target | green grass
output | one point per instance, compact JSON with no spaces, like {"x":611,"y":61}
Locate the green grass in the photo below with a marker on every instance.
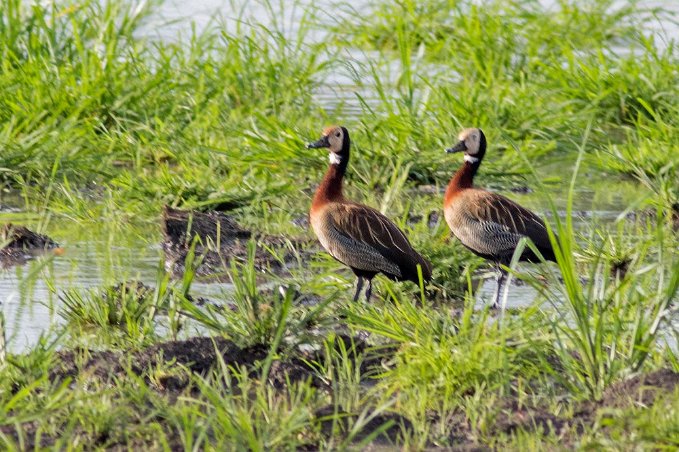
{"x":607,"y":327}
{"x":101,"y":125}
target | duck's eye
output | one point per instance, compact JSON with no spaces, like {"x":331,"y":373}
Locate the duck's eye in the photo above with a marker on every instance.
{"x":337,"y":134}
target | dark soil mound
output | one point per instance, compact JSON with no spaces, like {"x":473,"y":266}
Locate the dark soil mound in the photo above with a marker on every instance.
{"x":391,"y":425}
{"x":22,"y":238}
{"x":179,"y":226}
{"x":220,"y":239}
{"x":199,"y":355}
{"x":515,"y":417}
{"x":641,"y":390}
{"x":19,"y":244}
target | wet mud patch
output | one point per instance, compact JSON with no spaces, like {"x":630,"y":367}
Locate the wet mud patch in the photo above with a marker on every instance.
{"x":19,"y":244}
{"x":29,"y":435}
{"x":513,"y":417}
{"x":641,"y":391}
{"x":220,"y":239}
{"x":196,"y":355}
{"x":201,"y":354}
{"x":391,"y":426}
{"x":139,"y":293}
{"x":167,"y":369}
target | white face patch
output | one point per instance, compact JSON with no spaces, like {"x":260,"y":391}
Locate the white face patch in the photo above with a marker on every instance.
{"x":470,"y":158}
{"x":472,"y":140}
{"x":335,"y":159}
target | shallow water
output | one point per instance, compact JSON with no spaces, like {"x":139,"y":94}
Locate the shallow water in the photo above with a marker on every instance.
{"x":95,"y":256}
{"x":101,"y":254}
{"x":175,"y":19}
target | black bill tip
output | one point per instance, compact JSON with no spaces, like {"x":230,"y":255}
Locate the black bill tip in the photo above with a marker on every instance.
{"x":459,"y":147}
{"x":322,"y":143}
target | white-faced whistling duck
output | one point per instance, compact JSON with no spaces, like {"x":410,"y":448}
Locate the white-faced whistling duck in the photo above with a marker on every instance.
{"x":356,"y":235}
{"x":487,"y":223}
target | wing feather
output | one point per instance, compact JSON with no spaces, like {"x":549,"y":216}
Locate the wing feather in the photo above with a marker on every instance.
{"x":492,"y":226}
{"x":501,"y":213}
{"x":369,"y":235}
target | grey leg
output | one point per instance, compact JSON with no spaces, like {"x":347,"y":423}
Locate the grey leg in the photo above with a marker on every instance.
{"x":501,"y":276}
{"x":359,"y":286}
{"x":368,"y":291}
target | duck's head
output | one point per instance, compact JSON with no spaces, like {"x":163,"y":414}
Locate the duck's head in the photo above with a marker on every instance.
{"x":336,"y":139}
{"x":473,"y":143}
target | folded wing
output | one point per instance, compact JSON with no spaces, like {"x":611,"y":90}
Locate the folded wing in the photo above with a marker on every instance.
{"x":499,"y":224}
{"x":367,"y":240}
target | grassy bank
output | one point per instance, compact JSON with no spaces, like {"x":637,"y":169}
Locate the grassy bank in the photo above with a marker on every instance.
{"x":93,"y":103}
{"x":102,"y":123}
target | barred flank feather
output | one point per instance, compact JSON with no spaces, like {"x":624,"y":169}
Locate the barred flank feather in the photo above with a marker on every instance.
{"x":364,"y":239}
{"x":492,"y":226}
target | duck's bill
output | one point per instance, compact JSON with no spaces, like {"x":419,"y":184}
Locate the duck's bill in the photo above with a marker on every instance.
{"x":322,"y":143}
{"x":459,"y":147}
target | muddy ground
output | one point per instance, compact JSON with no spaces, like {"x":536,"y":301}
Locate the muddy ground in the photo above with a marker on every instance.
{"x":222,"y":239}
{"x":219,"y":239}
{"x":198,"y":355}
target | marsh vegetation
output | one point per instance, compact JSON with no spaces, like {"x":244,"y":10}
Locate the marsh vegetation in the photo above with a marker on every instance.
{"x":103,"y":124}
